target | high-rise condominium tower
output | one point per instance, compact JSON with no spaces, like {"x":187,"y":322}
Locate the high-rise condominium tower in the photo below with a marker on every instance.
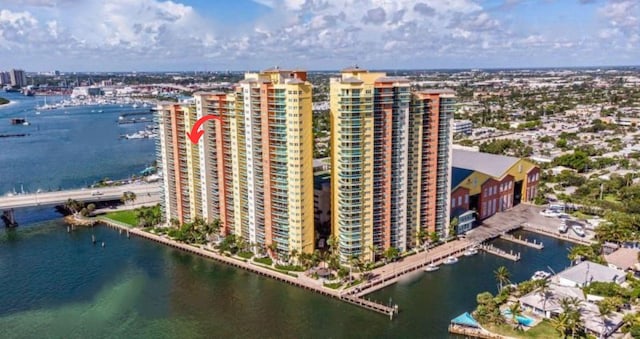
{"x":254,"y":163}
{"x":390,"y":151}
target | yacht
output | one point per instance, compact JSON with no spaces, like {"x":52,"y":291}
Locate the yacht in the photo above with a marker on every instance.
{"x":470,"y":251}
{"x":450,"y":260}
{"x":578,"y":230}
{"x":431,"y":267}
{"x":540,"y":275}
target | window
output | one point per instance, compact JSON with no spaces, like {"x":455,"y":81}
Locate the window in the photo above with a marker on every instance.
{"x":459,"y":200}
{"x":466,"y":199}
{"x":453,"y":203}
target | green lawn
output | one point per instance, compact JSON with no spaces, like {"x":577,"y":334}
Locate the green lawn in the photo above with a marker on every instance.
{"x":333,"y":285}
{"x":127,"y":217}
{"x":543,"y":330}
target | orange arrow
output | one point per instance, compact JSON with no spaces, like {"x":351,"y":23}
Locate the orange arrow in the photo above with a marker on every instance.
{"x":196,"y":133}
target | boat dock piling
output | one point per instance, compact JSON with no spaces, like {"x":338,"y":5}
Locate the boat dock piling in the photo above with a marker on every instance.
{"x":259,"y":269}
{"x":521,"y":241}
{"x":501,"y":253}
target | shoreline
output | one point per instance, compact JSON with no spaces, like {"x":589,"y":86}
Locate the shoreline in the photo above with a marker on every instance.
{"x":251,"y":266}
{"x":10,"y":103}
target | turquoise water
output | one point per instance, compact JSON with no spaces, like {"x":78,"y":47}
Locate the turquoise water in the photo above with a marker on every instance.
{"x":522,"y":319}
{"x":58,"y":284}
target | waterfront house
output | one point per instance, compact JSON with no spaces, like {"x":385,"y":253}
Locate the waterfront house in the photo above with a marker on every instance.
{"x":586,"y":272}
{"x":623,"y":259}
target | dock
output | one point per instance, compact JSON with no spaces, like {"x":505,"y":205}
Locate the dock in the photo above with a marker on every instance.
{"x":501,"y":253}
{"x":17,"y":135}
{"x":397,"y":270}
{"x":257,"y":268}
{"x":557,"y":235}
{"x":521,"y":241}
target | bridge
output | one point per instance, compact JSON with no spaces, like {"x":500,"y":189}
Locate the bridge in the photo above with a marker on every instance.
{"x":83,"y":194}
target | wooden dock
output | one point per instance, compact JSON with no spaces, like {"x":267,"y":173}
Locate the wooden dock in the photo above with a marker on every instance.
{"x":521,"y":241}
{"x":557,"y":235}
{"x":393,"y":276}
{"x":251,"y":266}
{"x":501,"y":253}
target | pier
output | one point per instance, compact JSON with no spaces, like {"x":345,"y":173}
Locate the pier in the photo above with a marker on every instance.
{"x":555,"y":234}
{"x":501,"y":253}
{"x":251,"y":266}
{"x":521,"y":241}
{"x":390,"y":274}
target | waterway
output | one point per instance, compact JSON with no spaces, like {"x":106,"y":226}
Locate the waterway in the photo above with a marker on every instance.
{"x":58,"y":284}
{"x":69,"y":147}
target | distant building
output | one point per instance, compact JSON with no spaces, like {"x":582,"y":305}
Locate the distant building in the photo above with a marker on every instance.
{"x":322,"y":205}
{"x":623,"y":259}
{"x":5,"y":78}
{"x":488,"y":183}
{"x":18,"y":78}
{"x":462,"y":126}
{"x":85,"y":92}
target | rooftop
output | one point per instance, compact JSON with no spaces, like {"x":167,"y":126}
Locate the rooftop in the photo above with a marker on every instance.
{"x":587,"y":272}
{"x":491,"y":164}
{"x":623,"y":258}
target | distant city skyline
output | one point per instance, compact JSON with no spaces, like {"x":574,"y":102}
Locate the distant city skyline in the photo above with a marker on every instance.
{"x":187,"y":35}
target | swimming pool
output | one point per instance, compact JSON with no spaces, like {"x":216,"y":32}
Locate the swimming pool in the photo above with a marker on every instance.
{"x":522,"y":319}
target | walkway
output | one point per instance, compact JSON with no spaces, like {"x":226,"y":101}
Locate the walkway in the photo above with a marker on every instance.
{"x":256,"y":268}
{"x":389,"y":274}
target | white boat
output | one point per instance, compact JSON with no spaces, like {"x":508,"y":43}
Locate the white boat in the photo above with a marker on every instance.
{"x":578,"y":230}
{"x":26,"y":123}
{"x":540,"y":275}
{"x":563,"y":227}
{"x":431,"y":267}
{"x":450,"y":260}
{"x":135,"y":106}
{"x":471,"y":251}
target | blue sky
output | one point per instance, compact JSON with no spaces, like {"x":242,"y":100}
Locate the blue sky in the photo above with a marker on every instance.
{"x":150,"y":35}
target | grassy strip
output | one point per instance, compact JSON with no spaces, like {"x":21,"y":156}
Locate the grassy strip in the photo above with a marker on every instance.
{"x":245,"y":255}
{"x":544,"y":329}
{"x":334,"y":286}
{"x":265,"y":261}
{"x":125,"y":217}
{"x":294,"y":268}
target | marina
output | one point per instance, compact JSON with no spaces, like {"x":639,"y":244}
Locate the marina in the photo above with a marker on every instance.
{"x":521,"y":241}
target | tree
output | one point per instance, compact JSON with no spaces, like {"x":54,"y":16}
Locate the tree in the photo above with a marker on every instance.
{"x":128,"y":196}
{"x":391,"y":254}
{"x":561,"y":324}
{"x":421,"y":236}
{"x":73,"y":206}
{"x":543,"y":288}
{"x":502,"y":276}
{"x":434,"y":237}
{"x":516,"y":311}
{"x":605,"y":310}
{"x":453,"y":227}
{"x":333,"y":244}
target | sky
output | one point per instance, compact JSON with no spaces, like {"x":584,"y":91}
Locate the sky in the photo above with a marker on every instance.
{"x":219,"y":35}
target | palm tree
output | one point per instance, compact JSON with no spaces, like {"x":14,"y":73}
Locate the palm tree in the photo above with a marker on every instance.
{"x":544,"y":289}
{"x":502,"y":276}
{"x":516,"y":311}
{"x":605,"y":309}
{"x":294,"y":255}
{"x":333,"y":244}
{"x":421,"y":236}
{"x":73,"y":206}
{"x":561,"y":324}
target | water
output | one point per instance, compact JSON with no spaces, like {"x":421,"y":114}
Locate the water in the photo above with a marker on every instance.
{"x":69,"y":147}
{"x":61,"y":285}
{"x":56,"y":284}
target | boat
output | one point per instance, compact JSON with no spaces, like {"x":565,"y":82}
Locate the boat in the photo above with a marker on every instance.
{"x":18,"y":121}
{"x":135,"y":106}
{"x":470,"y":251}
{"x":563,"y":227}
{"x":26,"y":123}
{"x":540,"y":275}
{"x":578,"y":230}
{"x":450,"y":260}
{"x":431,"y":267}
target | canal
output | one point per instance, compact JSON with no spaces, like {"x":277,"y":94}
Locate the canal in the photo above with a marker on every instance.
{"x":59,"y":284}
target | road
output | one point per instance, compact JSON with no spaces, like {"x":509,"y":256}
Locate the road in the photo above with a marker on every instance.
{"x":148,"y":191}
